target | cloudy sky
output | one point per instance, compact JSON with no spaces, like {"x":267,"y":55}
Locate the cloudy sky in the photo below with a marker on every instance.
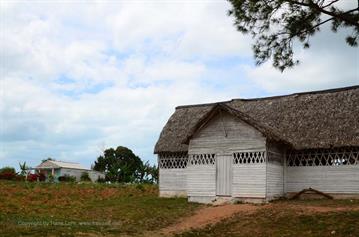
{"x":78,"y":77}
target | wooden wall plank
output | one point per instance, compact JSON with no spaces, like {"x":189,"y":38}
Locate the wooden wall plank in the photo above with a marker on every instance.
{"x":249,"y":180}
{"x":330,"y":179}
{"x":172,"y":180}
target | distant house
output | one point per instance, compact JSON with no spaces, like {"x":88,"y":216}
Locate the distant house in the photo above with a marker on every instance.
{"x":263,"y":148}
{"x":61,"y":168}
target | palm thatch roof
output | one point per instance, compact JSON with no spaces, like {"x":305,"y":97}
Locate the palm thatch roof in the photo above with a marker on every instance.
{"x":317,"y":119}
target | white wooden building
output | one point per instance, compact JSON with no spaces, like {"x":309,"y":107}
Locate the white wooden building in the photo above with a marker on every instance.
{"x":261,"y":149}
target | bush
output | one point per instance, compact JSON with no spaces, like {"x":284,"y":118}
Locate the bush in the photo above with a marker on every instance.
{"x":41,"y":177}
{"x":85,"y":176}
{"x":50,"y":178}
{"x":67,"y":178}
{"x":36,"y":177}
{"x":32,"y":177}
{"x":8,"y":173}
{"x":7,"y":169}
{"x":101,"y":180}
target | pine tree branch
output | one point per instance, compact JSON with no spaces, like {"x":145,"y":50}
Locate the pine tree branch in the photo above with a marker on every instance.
{"x":340,"y":16}
{"x":332,"y":2}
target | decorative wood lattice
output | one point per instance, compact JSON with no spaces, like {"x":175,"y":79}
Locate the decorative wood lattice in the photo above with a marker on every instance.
{"x":324,"y":157}
{"x":202,"y":159}
{"x":173,"y":161}
{"x":255,"y":157}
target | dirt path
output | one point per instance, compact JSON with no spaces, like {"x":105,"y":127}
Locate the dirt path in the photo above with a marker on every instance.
{"x":215,"y":214}
{"x":208,"y":215}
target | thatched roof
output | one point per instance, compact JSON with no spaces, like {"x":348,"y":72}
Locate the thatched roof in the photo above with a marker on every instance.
{"x":318,"y":119}
{"x":221,"y":107}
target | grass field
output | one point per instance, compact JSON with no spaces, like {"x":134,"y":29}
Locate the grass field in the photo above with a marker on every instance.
{"x":305,"y":218}
{"x":69,"y":209}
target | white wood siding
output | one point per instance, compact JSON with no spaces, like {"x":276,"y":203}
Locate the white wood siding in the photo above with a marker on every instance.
{"x":201,"y":180}
{"x":173,"y":180}
{"x":240,"y":136}
{"x":274,"y":180}
{"x":275,"y":170}
{"x":224,"y":135}
{"x":224,"y":175}
{"x":330,"y":179}
{"x":249,"y":180}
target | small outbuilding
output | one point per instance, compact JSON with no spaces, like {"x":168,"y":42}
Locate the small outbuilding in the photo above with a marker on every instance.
{"x":62,"y":168}
{"x":263,"y":148}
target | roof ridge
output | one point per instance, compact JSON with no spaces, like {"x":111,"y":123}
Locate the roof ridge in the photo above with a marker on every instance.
{"x":332,"y":90}
{"x":71,"y":162}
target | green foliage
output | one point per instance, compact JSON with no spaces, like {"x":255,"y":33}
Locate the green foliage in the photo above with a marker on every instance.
{"x":149,"y":173}
{"x":100,"y":180}
{"x":50,"y":178}
{"x":85,"y":177}
{"x":49,"y":158}
{"x":7,"y":169}
{"x":23,"y":168}
{"x":67,"y":178}
{"x":276,"y":24}
{"x":122,"y":165}
{"x":8,"y":173}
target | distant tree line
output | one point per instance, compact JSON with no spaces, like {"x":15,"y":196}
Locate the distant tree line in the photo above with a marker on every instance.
{"x":122,"y":165}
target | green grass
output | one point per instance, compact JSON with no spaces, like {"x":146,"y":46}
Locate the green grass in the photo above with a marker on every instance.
{"x":70,"y":209}
{"x":321,"y":202}
{"x":281,"y":221}
{"x":41,"y":209}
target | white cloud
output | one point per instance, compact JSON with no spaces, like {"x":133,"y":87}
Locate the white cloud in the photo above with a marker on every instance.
{"x":79,"y":76}
{"x":324,"y":65}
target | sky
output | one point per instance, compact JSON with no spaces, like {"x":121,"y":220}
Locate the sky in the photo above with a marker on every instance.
{"x":79,"y":77}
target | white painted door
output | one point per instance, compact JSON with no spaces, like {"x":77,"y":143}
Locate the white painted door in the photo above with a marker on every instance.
{"x":224,"y":175}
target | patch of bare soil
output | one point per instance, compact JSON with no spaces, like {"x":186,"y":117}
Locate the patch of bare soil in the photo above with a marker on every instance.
{"x":214,"y":214}
{"x":208,"y":215}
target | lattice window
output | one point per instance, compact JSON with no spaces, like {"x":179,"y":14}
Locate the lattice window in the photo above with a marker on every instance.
{"x":274,"y":157}
{"x":173,"y":161}
{"x":254,"y":157}
{"x":324,"y":157}
{"x":202,"y":159}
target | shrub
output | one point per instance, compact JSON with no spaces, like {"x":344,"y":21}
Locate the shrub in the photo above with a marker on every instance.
{"x":67,"y":178}
{"x":7,"y":169}
{"x":50,"y":178}
{"x":101,"y":180}
{"x":32,"y":177}
{"x":42,"y":177}
{"x":7,"y":173}
{"x":85,"y":176}
{"x":36,"y":177}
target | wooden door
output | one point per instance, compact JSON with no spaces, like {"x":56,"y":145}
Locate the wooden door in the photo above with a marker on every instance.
{"x":224,"y":175}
